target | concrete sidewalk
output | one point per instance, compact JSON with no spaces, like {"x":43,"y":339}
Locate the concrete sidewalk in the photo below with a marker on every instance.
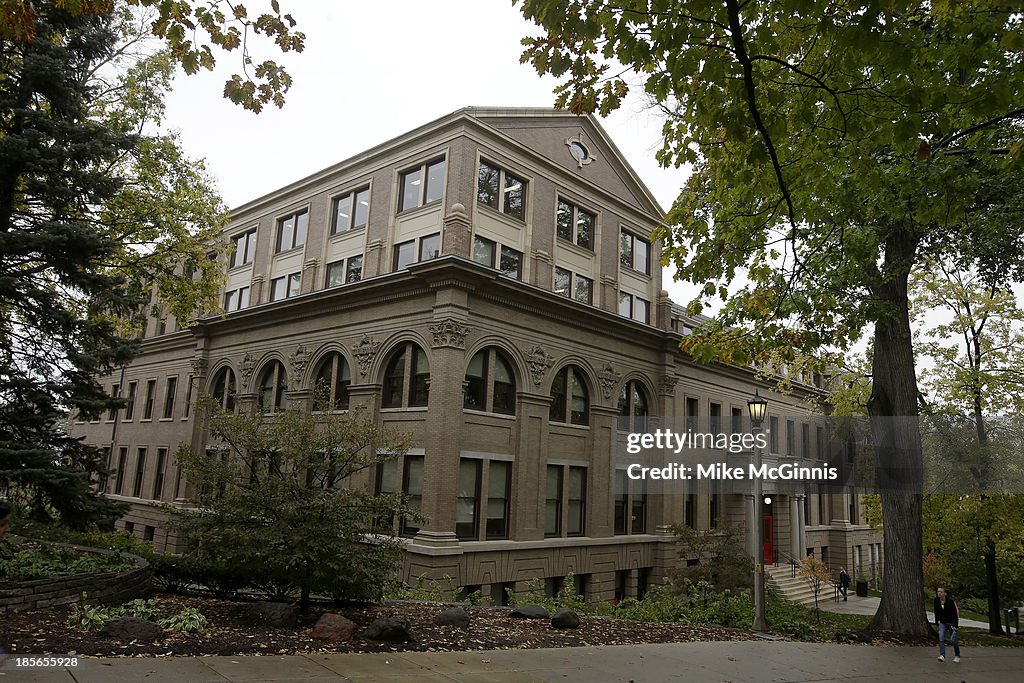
{"x":869,"y":606}
{"x":736,"y":662}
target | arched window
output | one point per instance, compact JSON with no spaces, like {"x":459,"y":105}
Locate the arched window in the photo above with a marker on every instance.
{"x":272,"y":385}
{"x":330,"y":389}
{"x":490,"y":383}
{"x":406,"y":378}
{"x":570,"y":402}
{"x":224,"y":388}
{"x":633,"y":406}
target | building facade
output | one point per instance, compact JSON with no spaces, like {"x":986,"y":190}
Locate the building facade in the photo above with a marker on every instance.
{"x":488,"y":284}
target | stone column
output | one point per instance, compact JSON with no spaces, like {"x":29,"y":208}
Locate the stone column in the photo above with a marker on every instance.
{"x":600,"y":514}
{"x":457,"y":232}
{"x":795,"y":518}
{"x":448,"y":333}
{"x":310,"y":276}
{"x":529,"y":473}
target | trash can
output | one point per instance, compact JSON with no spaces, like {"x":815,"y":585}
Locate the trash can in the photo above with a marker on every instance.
{"x":862,"y":588}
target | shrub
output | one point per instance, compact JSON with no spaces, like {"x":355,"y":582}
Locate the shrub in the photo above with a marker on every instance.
{"x":30,"y":561}
{"x":140,"y":609}
{"x":89,"y":617}
{"x":188,"y":620}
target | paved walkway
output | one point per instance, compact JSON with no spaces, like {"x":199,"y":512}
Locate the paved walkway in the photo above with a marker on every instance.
{"x":735,"y":662}
{"x":869,"y":605}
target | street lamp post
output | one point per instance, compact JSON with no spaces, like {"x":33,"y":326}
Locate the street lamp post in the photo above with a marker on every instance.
{"x":757,"y":407}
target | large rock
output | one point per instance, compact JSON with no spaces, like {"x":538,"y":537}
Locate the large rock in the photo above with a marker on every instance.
{"x":530,"y":612}
{"x":272,"y":614}
{"x":390,"y":630}
{"x":565,"y":618}
{"x":453,"y":616}
{"x":132,"y":628}
{"x":335,"y":628}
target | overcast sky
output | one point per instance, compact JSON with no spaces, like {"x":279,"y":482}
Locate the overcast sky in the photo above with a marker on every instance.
{"x":372,"y":71}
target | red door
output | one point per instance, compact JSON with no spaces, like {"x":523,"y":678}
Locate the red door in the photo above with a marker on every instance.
{"x":769,"y":555}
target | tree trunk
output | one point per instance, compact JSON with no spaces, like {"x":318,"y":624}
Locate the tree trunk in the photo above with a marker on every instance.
{"x":896,"y":436}
{"x":992,"y":586}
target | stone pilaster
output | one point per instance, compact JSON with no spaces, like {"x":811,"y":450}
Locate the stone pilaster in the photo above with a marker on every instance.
{"x":458,"y":230}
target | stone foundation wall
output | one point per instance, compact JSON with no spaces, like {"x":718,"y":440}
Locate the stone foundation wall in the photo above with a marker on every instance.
{"x":102,"y":587}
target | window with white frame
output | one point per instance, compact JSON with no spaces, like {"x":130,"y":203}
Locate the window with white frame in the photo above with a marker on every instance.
{"x":351,"y":211}
{"x":273,"y":382}
{"x":291,"y":231}
{"x":574,"y":224}
{"x":493,"y":255}
{"x":421,"y":185}
{"x":574,"y":286}
{"x":501,"y":190}
{"x":406,"y":378}
{"x":490,"y":385}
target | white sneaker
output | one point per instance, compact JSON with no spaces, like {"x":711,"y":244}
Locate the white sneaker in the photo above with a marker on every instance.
{"x":942,"y":658}
{"x":956,"y":660}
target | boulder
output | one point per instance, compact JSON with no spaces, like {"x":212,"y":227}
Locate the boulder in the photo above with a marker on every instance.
{"x":565,"y":618}
{"x":335,"y":628}
{"x":272,"y":614}
{"x":389,"y":630}
{"x":453,"y":616}
{"x":530,"y":612}
{"x":132,"y":628}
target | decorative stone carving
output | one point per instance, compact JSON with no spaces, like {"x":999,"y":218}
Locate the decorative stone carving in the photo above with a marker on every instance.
{"x":609,"y":379}
{"x":364,"y":352}
{"x":449,"y":332}
{"x":200,"y":366}
{"x":248,"y":365}
{"x":667,"y":383}
{"x":298,"y":360}
{"x":539,"y":363}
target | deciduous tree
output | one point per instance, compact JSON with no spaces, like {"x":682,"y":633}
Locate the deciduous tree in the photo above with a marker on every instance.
{"x":834,"y":146}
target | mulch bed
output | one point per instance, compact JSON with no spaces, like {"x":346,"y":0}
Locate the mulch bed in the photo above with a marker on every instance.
{"x":46,"y":632}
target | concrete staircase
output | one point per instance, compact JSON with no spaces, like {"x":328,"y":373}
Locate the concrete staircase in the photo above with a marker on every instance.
{"x":786,"y":586}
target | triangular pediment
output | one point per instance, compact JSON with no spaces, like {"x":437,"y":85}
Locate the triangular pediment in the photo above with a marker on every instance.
{"x":548,"y":132}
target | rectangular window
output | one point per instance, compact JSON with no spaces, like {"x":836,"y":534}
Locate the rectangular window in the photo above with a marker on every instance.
{"x":737,"y":420}
{"x":573,"y":224}
{"x":576,"y":500}
{"x":773,"y":435}
{"x":805,"y":440}
{"x":129,"y":408}
{"x":388,"y":480}
{"x":350,"y":211}
{"x":632,"y":306}
{"x":715,"y":417}
{"x":336,"y":273}
{"x":638,"y":501}
{"x":467,"y":501}
{"x":715,"y":505}
{"x":122,"y":458}
{"x":430,"y":247}
{"x":148,"y":532}
{"x":621,"y":501}
{"x":574,"y":286}
{"x":158,"y":476}
{"x":140,"y":470}
{"x":790,"y":438}
{"x":821,"y":443}
{"x":553,"y":501}
{"x":509,"y":261}
{"x":354,"y":271}
{"x":147,"y":407}
{"x":291,"y":231}
{"x":243,"y":248}
{"x":499,"y":487}
{"x":169,"y":393}
{"x":115,"y":391}
{"x":405,"y":253}
{"x":634,"y":252}
{"x":501,"y":190}
{"x":412,"y":487}
{"x":422,"y":185}
{"x":236,"y":299}
{"x":188,"y":396}
{"x":285,"y":286}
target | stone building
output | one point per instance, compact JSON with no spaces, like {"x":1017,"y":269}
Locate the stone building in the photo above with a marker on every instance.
{"x":488,"y":284}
